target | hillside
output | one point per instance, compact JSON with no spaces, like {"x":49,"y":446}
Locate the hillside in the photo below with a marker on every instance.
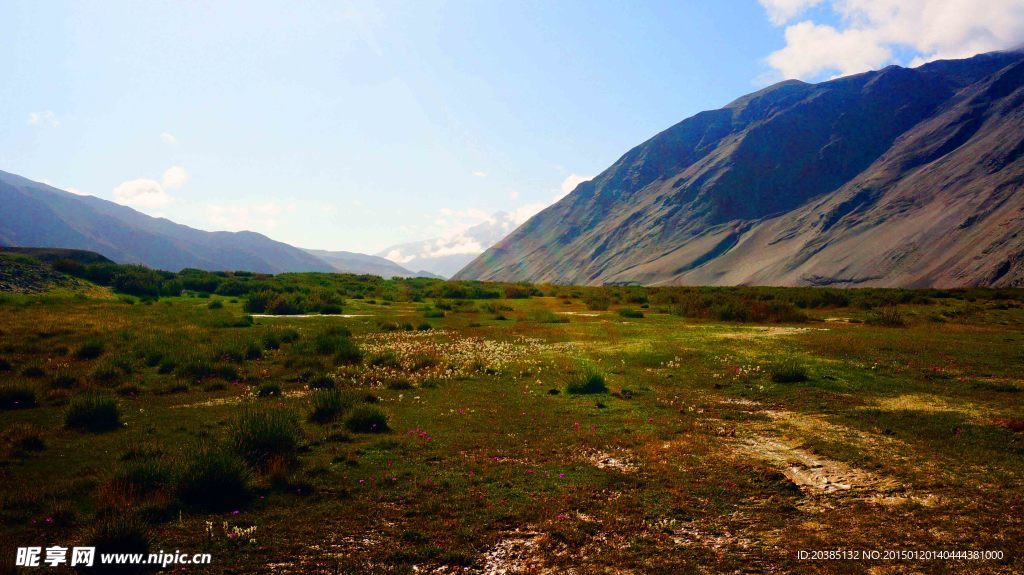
{"x":36,"y":214}
{"x":898,"y":177}
{"x":356,"y":263}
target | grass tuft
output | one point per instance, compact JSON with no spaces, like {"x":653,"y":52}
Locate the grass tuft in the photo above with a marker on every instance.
{"x":214,"y":479}
{"x":367,"y":419}
{"x":788,"y":371}
{"x":93,"y":412}
{"x":16,"y":395}
{"x":261,"y":433}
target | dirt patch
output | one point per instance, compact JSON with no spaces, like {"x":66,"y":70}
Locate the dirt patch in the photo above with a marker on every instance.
{"x":518,"y":552}
{"x":236,"y":399}
{"x":620,"y":462}
{"x":774,"y":331}
{"x":816,"y":475}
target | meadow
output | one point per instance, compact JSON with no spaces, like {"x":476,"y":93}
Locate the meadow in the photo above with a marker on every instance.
{"x":422,"y":426}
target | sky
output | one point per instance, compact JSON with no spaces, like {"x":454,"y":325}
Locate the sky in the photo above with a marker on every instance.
{"x":360,"y":125}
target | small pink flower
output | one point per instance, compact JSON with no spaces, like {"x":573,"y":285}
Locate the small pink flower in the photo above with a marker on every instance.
{"x":561,"y":475}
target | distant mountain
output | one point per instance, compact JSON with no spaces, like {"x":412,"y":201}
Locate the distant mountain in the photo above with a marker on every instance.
{"x":447,"y":255}
{"x":898,"y":177}
{"x":36,"y":215}
{"x":356,"y":263}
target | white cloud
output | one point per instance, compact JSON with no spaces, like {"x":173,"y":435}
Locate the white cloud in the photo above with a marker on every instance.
{"x":870,"y":32}
{"x":46,"y":118}
{"x":76,"y":191}
{"x":168,"y":138}
{"x":570,"y":182}
{"x":175,"y":177}
{"x":782,"y":11}
{"x":480,"y":174}
{"x":143,"y":194}
{"x":257,"y":216}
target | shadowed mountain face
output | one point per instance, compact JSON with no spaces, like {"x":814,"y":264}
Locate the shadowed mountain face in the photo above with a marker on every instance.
{"x":899,"y":177}
{"x":35,"y":214}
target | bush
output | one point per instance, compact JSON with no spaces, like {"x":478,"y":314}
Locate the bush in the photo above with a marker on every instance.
{"x":90,"y":350}
{"x":587,"y":381}
{"x":215,"y":304}
{"x":367,"y":419}
{"x":17,"y":396}
{"x":888,"y":316}
{"x":119,"y":533}
{"x":22,"y":438}
{"x":330,"y":404}
{"x":143,"y":475}
{"x":348,"y":354}
{"x":269,"y":390}
{"x":214,"y":479}
{"x":261,"y":433}
{"x":386,"y":359}
{"x":546,"y":316}
{"x":93,"y":412}
{"x":331,"y":309}
{"x":631,"y":313}
{"x":331,"y":340}
{"x":322,"y":381}
{"x":788,"y":371}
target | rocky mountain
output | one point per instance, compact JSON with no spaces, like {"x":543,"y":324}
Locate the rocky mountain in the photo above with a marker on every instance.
{"x":356,"y":263}
{"x":897,"y":177}
{"x":445,"y":256}
{"x":36,"y":215}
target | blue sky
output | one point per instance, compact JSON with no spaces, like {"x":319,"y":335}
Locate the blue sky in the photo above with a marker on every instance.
{"x":359,"y":125}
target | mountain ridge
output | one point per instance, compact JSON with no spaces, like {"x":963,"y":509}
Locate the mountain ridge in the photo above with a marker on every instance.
{"x":736,"y":195}
{"x":39,"y":215}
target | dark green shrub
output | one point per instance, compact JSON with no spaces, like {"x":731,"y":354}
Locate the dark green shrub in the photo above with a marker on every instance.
{"x":214,"y":479}
{"x":144,"y":475}
{"x":331,"y":309}
{"x":631,"y":313}
{"x":367,"y":419}
{"x":331,"y":340}
{"x":23,"y":438}
{"x":264,"y":433}
{"x":121,"y":532}
{"x":93,"y":412}
{"x":348,"y":353}
{"x":330,"y":404}
{"x":386,"y":359}
{"x":788,"y":371}
{"x":90,"y":350}
{"x":15,"y":395}
{"x":33,"y":371}
{"x":887,"y":316}
{"x":215,"y":304}
{"x":587,"y":381}
{"x":322,"y":381}
{"x":424,"y":327}
{"x":269,"y":390}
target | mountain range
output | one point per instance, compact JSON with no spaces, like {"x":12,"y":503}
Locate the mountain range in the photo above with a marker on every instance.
{"x":38,"y":215}
{"x":896,"y":177}
{"x":447,"y":255}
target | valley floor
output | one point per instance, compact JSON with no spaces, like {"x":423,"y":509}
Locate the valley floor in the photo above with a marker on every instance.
{"x":887,"y":439}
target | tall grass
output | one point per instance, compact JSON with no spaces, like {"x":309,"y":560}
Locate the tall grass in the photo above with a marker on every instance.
{"x":587,"y":381}
{"x":214,"y":479}
{"x":93,"y":412}
{"x":261,"y":433}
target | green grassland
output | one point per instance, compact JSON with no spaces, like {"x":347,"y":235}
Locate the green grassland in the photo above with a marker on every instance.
{"x":427,"y":426}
